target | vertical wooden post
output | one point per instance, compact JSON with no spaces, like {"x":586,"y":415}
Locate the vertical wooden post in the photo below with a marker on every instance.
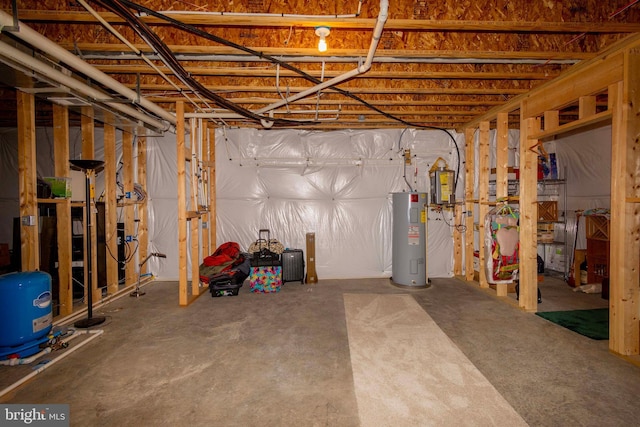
{"x":483,"y":191}
{"x":110,"y":206}
{"x":143,"y":228}
{"x":624,"y":293}
{"x":212,"y":189}
{"x":586,"y":106}
{"x":63,"y":210}
{"x":206,"y":170}
{"x":528,"y":274}
{"x":502,"y":172}
{"x":469,"y":182}
{"x":194,"y":223}
{"x":182,"y":206}
{"x":129,"y":208}
{"x":29,"y":239}
{"x":502,"y":156}
{"x":457,"y":240}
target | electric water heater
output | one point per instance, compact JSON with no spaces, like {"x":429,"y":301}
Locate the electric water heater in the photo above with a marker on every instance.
{"x":409,"y":250}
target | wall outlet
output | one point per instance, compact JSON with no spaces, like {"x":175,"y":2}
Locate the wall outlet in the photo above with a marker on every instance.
{"x":128,"y":239}
{"x":28,"y":220}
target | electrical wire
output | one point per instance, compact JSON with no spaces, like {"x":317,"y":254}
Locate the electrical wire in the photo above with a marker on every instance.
{"x":198,"y":32}
{"x":139,"y":26}
{"x":160,"y":48}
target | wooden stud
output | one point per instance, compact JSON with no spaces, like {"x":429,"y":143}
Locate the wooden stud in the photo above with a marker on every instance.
{"x":110,"y":205}
{"x":129,"y":208}
{"x":143,"y":228}
{"x":528,"y":274}
{"x":87,"y":130}
{"x":502,"y":156}
{"x":469,"y":171}
{"x":586,"y":107}
{"x":182,"y":205}
{"x":212,"y":189}
{"x":483,"y":193}
{"x":63,"y":210}
{"x":457,"y":240}
{"x":624,"y":227}
{"x":551,"y":120}
{"x":502,"y":172}
{"x":29,"y":239}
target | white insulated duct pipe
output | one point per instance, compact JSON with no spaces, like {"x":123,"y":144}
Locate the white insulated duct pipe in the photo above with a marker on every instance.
{"x":33,"y":64}
{"x":37,"y":40}
{"x":362,"y":68}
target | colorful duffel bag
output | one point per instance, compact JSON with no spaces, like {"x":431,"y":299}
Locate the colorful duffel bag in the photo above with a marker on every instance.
{"x":265,"y":279}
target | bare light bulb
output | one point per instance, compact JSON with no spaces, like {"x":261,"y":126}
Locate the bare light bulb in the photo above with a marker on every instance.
{"x":322,"y":32}
{"x":322,"y":45}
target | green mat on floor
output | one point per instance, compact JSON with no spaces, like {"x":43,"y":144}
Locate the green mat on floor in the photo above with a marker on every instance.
{"x":590,"y":323}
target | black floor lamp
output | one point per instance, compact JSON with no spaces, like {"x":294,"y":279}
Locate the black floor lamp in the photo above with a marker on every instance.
{"x":88,"y":166}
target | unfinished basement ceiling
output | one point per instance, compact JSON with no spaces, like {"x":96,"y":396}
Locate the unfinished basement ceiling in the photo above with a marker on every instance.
{"x":246,"y":62}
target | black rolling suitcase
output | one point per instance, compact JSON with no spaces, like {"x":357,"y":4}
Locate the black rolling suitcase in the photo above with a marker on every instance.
{"x":292,"y":266}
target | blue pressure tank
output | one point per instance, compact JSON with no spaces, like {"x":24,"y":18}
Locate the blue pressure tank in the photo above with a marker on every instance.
{"x":25,"y":311}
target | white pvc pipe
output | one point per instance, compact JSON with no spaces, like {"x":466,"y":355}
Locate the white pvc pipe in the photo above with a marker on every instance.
{"x":37,"y":40}
{"x":40,"y":67}
{"x":94,"y":334}
{"x":364,"y":67}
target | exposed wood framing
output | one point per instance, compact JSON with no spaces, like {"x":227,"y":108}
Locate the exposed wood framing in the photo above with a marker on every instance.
{"x":528,"y":274}
{"x":624,"y":329}
{"x":30,"y":243}
{"x":111,"y":210}
{"x":143,"y":226}
{"x":502,"y":172}
{"x":616,"y":72}
{"x":483,"y":195}
{"x":469,"y":173}
{"x":63,"y":210}
{"x":129,"y":206}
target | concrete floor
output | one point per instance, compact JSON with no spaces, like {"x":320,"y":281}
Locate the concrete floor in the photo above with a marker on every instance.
{"x":283,"y":359}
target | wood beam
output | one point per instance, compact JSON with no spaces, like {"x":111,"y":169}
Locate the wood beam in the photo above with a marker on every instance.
{"x":215,"y":19}
{"x":606,"y":69}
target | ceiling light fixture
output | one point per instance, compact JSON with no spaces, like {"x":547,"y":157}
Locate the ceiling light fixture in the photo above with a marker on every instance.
{"x":323,"y":33}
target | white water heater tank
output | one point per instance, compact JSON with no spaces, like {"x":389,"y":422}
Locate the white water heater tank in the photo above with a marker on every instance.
{"x":409,"y":250}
